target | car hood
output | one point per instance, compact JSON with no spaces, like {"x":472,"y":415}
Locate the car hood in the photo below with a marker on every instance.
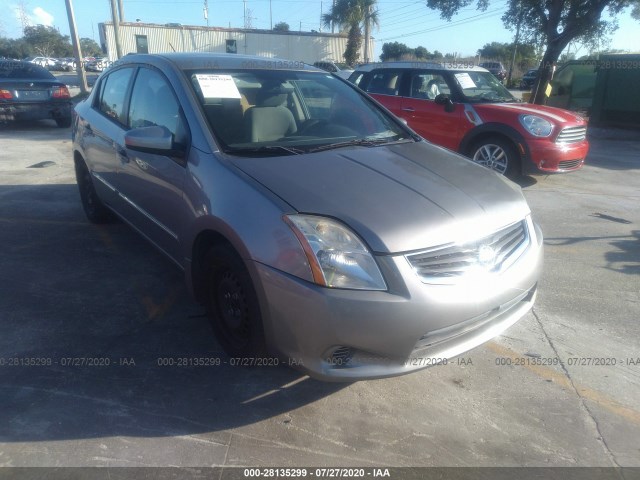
{"x":398,"y":198}
{"x":552,"y":114}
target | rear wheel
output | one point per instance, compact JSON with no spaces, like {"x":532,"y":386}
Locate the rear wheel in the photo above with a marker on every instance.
{"x":93,"y":207}
{"x":63,"y":122}
{"x":497,"y":154}
{"x":232,"y":304}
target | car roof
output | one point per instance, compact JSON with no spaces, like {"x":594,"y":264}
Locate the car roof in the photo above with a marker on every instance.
{"x":203,"y":60}
{"x":453,"y":66}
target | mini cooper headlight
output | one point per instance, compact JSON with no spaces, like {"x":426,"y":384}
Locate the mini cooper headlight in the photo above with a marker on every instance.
{"x":536,"y":126}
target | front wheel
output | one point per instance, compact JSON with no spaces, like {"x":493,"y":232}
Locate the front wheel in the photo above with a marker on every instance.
{"x":498,"y":155}
{"x":232,"y":304}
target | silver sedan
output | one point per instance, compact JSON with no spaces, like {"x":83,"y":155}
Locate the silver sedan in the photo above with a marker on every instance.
{"x":312,"y":224}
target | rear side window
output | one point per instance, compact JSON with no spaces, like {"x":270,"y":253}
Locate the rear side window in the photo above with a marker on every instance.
{"x":114,"y":94}
{"x":385,"y":82}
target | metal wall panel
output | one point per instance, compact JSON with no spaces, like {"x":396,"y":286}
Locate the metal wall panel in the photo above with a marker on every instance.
{"x":305,"y":47}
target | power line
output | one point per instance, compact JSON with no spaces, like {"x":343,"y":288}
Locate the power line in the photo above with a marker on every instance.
{"x":475,"y":18}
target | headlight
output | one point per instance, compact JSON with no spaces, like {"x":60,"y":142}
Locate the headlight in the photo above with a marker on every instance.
{"x":338,"y":258}
{"x":536,"y":126}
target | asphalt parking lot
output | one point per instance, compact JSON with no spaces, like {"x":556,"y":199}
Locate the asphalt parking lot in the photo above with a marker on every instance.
{"x":560,"y":388}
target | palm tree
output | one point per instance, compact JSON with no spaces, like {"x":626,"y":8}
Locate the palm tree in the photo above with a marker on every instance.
{"x":352,"y":15}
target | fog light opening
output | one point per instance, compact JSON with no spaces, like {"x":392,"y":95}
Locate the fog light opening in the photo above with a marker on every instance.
{"x":340,"y":357}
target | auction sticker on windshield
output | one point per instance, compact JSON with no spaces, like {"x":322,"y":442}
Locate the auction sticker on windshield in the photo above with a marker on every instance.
{"x":217,"y":86}
{"x":465,"y":80}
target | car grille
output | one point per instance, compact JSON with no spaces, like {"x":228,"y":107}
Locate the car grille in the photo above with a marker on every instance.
{"x":572,"y":135}
{"x":496,"y":252}
{"x":569,"y":164}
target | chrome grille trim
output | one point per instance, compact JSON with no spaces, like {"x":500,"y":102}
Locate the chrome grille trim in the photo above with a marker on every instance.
{"x":569,"y":164}
{"x":572,"y":135}
{"x":450,"y":263}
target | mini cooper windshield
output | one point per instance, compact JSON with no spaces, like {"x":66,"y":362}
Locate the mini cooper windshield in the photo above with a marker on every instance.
{"x":482,"y":87}
{"x":275,"y":112}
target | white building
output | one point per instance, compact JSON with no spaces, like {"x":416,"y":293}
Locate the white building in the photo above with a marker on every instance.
{"x":307,"y":47}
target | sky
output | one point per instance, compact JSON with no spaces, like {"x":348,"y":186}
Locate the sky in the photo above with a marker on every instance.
{"x":406,"y":21}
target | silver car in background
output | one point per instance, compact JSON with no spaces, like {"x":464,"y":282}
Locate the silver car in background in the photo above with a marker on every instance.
{"x":311,"y":223}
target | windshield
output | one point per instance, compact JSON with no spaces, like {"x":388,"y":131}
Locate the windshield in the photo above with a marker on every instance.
{"x":482,"y":87}
{"x":289,"y":112}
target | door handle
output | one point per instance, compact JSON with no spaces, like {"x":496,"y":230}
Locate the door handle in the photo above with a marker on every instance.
{"x":122,"y":154}
{"x":408,"y":109}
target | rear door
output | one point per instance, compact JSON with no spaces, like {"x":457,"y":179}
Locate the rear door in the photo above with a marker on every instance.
{"x":103,"y":131}
{"x":424,"y":115}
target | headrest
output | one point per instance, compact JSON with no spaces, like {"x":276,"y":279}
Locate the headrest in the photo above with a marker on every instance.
{"x":273,"y":94}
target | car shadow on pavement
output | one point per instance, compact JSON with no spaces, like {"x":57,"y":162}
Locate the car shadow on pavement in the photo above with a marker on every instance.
{"x":624,"y":257}
{"x":99,"y":336}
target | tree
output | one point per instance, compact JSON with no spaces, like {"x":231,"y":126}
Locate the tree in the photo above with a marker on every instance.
{"x":553,"y":22}
{"x":394,"y":51}
{"x":281,"y":27}
{"x":421,"y":53}
{"x":14,"y":48}
{"x":47,"y":41}
{"x":89,"y":47}
{"x":352,"y":16}
{"x":503,"y":52}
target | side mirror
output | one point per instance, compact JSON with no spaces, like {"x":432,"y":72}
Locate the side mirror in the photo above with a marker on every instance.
{"x":156,"y":140}
{"x":443,"y":99}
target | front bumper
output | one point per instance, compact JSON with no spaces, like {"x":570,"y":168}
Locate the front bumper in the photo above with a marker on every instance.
{"x":348,"y":335}
{"x":550,"y":157}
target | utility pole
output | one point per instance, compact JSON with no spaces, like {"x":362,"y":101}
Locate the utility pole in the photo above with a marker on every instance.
{"x":82,"y":77}
{"x":367,"y":26}
{"x":320,"y":29}
{"x":333,"y":24}
{"x":270,"y":15}
{"x":205,"y":12}
{"x":116,"y":29}
{"x":120,"y":11}
{"x":515,"y":45}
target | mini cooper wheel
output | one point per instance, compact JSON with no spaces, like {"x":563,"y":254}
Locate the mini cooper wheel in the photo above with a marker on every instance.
{"x":232,"y":305}
{"x":498,"y":155}
{"x":93,"y":207}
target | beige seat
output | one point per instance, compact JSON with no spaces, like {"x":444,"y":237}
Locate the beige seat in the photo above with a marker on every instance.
{"x":270,"y":119}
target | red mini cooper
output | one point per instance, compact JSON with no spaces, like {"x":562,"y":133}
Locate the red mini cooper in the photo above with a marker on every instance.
{"x":469,"y":111}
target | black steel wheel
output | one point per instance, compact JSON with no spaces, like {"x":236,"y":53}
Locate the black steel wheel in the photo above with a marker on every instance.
{"x":232,"y":304}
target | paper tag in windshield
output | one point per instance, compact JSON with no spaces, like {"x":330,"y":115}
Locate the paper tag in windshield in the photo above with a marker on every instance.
{"x":465,"y":80}
{"x":217,"y":86}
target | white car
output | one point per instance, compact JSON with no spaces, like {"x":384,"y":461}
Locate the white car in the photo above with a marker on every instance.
{"x":45,"y":62}
{"x":340,"y":69}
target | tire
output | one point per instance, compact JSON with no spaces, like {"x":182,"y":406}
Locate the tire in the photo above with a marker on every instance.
{"x":64,"y":122}
{"x":93,"y":207}
{"x":497,"y":154}
{"x":232,"y":304}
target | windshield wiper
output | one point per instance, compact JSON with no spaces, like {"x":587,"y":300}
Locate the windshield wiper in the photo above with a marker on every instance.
{"x":363,"y":142}
{"x":266,"y":149}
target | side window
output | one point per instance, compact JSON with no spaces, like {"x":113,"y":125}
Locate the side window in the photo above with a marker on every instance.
{"x":428,"y":85}
{"x":385,"y":82}
{"x":113,"y":94}
{"x":154,"y":104}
